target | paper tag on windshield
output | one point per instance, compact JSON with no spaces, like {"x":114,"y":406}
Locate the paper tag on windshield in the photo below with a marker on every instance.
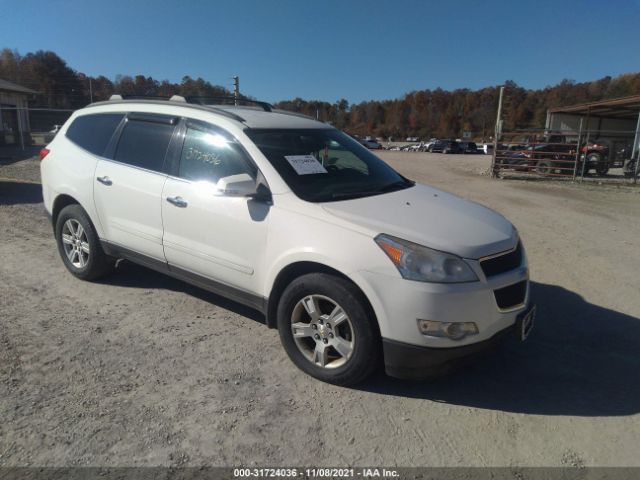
{"x":305,"y":164}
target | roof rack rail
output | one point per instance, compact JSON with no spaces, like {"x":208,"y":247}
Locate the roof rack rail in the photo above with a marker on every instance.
{"x":267,"y":107}
{"x":175,"y":98}
{"x":120,"y":96}
{"x":198,"y":100}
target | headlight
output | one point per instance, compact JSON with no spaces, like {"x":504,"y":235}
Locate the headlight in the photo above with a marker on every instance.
{"x":415,"y":262}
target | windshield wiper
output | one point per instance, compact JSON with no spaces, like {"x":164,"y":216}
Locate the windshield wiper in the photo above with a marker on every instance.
{"x":399,"y":185}
{"x":391,"y":187}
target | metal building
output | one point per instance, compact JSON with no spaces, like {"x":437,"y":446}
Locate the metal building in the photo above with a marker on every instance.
{"x":14,"y":116}
{"x":601,"y":137}
{"x":617,"y":119}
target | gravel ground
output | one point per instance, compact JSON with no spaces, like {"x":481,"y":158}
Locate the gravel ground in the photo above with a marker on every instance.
{"x":141,"y":370}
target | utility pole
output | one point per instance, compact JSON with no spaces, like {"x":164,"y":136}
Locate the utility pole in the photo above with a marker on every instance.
{"x":499,"y":116}
{"x":236,"y":89}
{"x":497,"y":132}
{"x":90,"y":90}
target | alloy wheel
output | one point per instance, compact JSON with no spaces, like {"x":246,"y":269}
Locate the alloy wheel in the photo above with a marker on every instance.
{"x":75,"y":243}
{"x":322,"y":331}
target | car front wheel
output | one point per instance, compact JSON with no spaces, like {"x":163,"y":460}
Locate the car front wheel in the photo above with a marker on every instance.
{"x":79,"y":245}
{"x":327,"y":330}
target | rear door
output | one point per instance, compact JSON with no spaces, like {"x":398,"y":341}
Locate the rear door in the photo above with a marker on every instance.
{"x":128,"y":186}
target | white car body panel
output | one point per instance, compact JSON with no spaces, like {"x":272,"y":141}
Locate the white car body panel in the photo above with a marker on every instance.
{"x":196,"y":238}
{"x":433,"y":218}
{"x":73,"y":177}
{"x":129,"y":208}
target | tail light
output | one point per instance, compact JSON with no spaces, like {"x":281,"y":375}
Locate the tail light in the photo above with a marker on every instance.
{"x":43,"y":153}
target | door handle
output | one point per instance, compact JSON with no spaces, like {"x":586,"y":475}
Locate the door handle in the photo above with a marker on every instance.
{"x":177,"y":201}
{"x":104,"y":180}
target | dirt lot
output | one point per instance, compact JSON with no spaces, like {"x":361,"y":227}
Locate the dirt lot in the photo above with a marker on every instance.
{"x":144,"y":370}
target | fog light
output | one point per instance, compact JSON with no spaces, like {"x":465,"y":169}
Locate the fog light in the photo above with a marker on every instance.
{"x":452,"y":330}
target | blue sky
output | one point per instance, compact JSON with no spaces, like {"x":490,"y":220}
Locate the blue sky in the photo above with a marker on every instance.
{"x":332,"y":49}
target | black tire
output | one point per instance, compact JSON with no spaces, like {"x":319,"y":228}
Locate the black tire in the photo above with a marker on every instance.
{"x":602,"y":169}
{"x":365,"y":355}
{"x":445,"y":151}
{"x":544,"y":167}
{"x":97,"y":263}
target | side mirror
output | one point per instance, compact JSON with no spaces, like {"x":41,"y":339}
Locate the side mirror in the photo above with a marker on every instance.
{"x":241,"y":185}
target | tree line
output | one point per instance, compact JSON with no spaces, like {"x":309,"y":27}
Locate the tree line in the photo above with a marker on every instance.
{"x":423,"y":113}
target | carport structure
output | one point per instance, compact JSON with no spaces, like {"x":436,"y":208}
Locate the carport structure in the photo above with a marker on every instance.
{"x":618,"y":117}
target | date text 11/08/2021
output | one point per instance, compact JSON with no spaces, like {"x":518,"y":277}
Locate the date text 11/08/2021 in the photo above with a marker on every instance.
{"x":314,"y":472}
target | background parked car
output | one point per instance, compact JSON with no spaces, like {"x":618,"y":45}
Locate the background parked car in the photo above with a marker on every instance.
{"x":445,"y":146}
{"x":372,"y":144}
{"x":486,"y":148}
{"x":544,"y":158}
{"x":468,"y":147}
{"x":51,"y":134}
{"x":428,"y":144}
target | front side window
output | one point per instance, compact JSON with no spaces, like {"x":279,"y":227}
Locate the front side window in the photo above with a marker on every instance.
{"x":209,"y":154}
{"x":93,"y":132}
{"x":144,"y":144}
{"x":326,"y":165}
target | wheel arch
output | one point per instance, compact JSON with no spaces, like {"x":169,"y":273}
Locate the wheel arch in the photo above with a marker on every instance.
{"x":61,"y":201}
{"x":296,"y":269}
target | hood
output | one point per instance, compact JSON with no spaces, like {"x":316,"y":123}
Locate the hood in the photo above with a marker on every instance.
{"x":433,"y":218}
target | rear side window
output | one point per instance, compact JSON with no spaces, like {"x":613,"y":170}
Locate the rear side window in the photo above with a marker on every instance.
{"x":93,"y":132}
{"x":144,"y":144}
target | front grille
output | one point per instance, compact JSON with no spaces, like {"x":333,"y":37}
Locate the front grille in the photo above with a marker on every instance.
{"x":511,"y":296}
{"x":502,"y":263}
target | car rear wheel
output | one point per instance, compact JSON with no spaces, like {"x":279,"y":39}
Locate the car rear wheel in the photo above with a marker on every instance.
{"x":544,"y":167}
{"x":327,"y":330}
{"x":602,"y":169}
{"x":79,"y":245}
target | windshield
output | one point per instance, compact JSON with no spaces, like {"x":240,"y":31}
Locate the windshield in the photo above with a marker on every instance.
{"x":326,"y":165}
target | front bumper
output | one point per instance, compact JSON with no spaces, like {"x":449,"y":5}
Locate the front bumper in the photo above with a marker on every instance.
{"x":408,"y":361}
{"x":399,"y":303}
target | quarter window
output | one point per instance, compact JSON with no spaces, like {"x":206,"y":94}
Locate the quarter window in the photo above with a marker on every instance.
{"x":144,"y":144}
{"x":93,"y":132}
{"x":209,"y":155}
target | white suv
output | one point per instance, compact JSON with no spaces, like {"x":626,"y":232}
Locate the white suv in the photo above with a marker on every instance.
{"x":352,"y":262}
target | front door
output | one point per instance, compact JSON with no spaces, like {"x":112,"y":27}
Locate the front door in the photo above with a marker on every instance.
{"x":214,"y":236}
